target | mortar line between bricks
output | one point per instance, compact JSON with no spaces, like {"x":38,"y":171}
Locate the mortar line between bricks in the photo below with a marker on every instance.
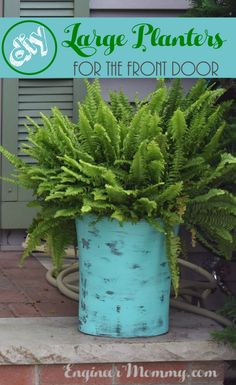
{"x":39,"y":374}
{"x":224,"y":370}
{"x":113,"y":374}
{"x":190,"y":368}
{"x":19,"y":289}
{"x":36,"y":373}
{"x":28,"y":299}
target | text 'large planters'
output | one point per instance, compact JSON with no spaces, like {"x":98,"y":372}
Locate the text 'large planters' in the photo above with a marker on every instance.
{"x":124,"y":279}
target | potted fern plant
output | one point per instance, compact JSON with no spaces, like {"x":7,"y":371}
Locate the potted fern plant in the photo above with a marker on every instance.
{"x":131,"y":174}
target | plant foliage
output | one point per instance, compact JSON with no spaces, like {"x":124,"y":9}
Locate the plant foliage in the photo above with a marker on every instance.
{"x":161,"y":158}
{"x":228,"y":334}
{"x":220,"y":8}
{"x":213,"y":8}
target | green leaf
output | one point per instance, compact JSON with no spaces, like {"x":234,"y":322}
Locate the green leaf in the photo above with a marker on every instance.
{"x":225,"y":234}
{"x":118,"y":215}
{"x":173,"y":247}
{"x":70,"y":212}
{"x":178,"y":126}
{"x":107,"y":120}
{"x":13,"y":159}
{"x":118,"y":195}
{"x":145,"y":206}
{"x":74,"y":191}
{"x":169,"y":194}
{"x":212,"y":193}
{"x":158,"y":226}
{"x":86,"y":133}
{"x":138,"y":169}
{"x":105,"y":143}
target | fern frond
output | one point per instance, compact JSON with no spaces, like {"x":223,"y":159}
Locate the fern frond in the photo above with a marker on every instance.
{"x":38,"y":231}
{"x":105,"y":143}
{"x":138,"y":169}
{"x":106,"y":119}
{"x":213,"y":145}
{"x":173,"y":247}
{"x":157,"y":100}
{"x":120,"y":106}
{"x":195,"y":92}
{"x":92,"y":100}
{"x":177,"y":129}
{"x":119,"y":195}
{"x":13,"y":159}
{"x":172,"y":101}
{"x":169,"y":194}
{"x":145,"y":207}
{"x":178,"y":126}
{"x":139,"y":122}
{"x":86,"y":134}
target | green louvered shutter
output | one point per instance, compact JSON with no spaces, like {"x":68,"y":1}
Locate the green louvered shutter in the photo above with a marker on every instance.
{"x":23,"y":97}
{"x":61,"y":8}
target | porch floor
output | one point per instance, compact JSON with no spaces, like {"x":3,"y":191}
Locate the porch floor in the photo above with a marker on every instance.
{"x":40,"y":347}
{"x":25,"y":292}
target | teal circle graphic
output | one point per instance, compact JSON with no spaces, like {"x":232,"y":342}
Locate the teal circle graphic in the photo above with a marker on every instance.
{"x":32,"y":40}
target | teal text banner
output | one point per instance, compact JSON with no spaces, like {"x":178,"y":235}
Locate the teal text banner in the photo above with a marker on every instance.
{"x":118,"y":48}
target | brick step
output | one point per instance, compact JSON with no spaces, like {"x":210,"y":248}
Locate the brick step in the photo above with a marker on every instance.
{"x":166,"y":373}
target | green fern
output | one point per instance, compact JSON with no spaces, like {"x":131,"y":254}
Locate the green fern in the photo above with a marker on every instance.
{"x":173,"y":251}
{"x":195,"y":93}
{"x":138,"y":169}
{"x":86,"y":134}
{"x":161,"y":159}
{"x":177,"y":130}
{"x":172,"y":101}
{"x":92,"y":100}
{"x":106,"y":119}
{"x":13,"y":159}
{"x":121,"y":107}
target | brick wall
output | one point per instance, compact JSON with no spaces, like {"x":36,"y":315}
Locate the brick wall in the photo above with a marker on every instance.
{"x":171,"y":373}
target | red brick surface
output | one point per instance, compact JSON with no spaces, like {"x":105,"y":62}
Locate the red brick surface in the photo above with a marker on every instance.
{"x":152,"y":373}
{"x":46,"y":294}
{"x":207,"y":372}
{"x":90,"y":374}
{"x":17,"y":375}
{"x":12,"y":295}
{"x":21,"y":276}
{"x":24,"y":310}
{"x":11,"y":260}
{"x":5,"y":283}
{"x":5,"y":312}
{"x":59,"y":309}
{"x":25,"y":292}
{"x":108,"y":374}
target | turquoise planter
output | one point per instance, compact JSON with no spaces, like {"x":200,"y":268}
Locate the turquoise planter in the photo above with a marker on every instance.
{"x":124,"y":279}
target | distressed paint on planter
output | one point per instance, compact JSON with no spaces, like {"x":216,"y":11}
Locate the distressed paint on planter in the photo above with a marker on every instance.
{"x":124,"y":279}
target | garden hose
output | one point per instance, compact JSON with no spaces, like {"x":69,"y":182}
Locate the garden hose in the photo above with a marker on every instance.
{"x":68,"y":285}
{"x":200,"y":311}
{"x":65,"y":287}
